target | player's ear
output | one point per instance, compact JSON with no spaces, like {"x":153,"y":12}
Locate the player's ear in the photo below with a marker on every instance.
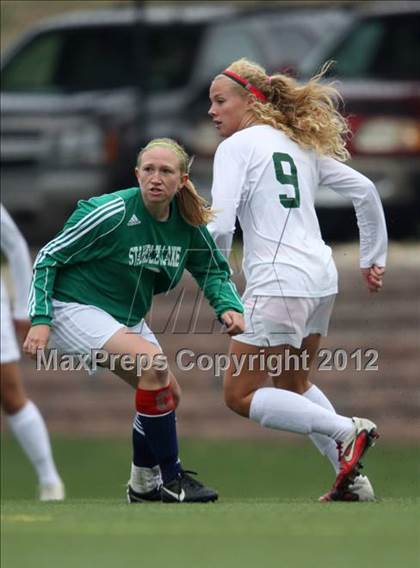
{"x":184,"y":179}
{"x":250,"y":99}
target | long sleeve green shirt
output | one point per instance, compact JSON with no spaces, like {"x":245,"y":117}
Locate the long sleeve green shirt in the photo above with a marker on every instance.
{"x":114,"y":255}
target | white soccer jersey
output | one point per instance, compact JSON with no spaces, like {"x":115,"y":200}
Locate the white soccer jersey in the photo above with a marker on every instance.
{"x":14,"y":247}
{"x":269,"y":182}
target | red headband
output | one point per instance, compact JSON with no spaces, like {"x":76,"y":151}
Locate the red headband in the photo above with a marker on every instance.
{"x":245,"y":84}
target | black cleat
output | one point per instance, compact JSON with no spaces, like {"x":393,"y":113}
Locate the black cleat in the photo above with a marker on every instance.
{"x":134,"y":497}
{"x":186,"y":489}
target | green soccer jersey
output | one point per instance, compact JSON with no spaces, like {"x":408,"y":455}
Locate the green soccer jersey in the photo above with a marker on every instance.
{"x":113,"y":254}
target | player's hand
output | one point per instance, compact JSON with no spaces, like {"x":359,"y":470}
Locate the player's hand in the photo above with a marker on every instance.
{"x":22,"y":327}
{"x":373,"y":277}
{"x":234,"y":322}
{"x":37,"y":338}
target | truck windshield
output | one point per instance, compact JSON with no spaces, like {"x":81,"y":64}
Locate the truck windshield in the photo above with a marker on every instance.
{"x":386,"y":48}
{"x":100,"y":58}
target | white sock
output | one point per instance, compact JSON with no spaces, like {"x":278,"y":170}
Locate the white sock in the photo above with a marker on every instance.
{"x":327,"y":446}
{"x":285,"y":410}
{"x":30,"y":431}
{"x":145,"y":479}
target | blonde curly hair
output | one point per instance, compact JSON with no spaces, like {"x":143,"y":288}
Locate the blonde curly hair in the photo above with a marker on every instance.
{"x":193,"y":208}
{"x":307,"y":113}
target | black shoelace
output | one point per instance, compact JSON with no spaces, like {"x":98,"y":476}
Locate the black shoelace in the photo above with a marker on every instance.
{"x":186,"y":474}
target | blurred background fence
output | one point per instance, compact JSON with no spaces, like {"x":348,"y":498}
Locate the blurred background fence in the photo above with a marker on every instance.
{"x":381,"y":382}
{"x":82,"y":93}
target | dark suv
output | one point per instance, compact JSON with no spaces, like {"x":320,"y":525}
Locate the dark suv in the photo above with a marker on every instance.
{"x":81,"y":94}
{"x":377,"y":64}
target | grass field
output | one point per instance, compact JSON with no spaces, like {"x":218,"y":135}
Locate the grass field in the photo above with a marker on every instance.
{"x":267,"y":514}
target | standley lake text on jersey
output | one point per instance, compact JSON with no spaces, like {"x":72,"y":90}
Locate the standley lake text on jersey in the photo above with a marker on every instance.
{"x":161,"y":255}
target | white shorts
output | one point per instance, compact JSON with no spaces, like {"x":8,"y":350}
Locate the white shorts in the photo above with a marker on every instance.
{"x":78,"y":328}
{"x":9,"y":350}
{"x":275,"y":320}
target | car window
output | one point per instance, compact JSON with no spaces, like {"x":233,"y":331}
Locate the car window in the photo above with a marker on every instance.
{"x":42,"y":55}
{"x":173,"y":51}
{"x":223,"y":44}
{"x":95,"y":58}
{"x":290,"y":44}
{"x":380,"y":48}
{"x":72,"y":60}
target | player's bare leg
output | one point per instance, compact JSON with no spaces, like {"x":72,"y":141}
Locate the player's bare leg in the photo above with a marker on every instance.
{"x":240,"y":388}
{"x":28,"y":426}
{"x":296,"y":379}
{"x":12,"y":392}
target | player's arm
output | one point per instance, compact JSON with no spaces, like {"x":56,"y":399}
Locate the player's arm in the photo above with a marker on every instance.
{"x":80,"y":241}
{"x":369,"y":212}
{"x":91,"y":222}
{"x":228,"y":180}
{"x":15,"y":248}
{"x":212,"y":273}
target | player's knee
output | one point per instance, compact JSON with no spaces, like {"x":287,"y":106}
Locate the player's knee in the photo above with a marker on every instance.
{"x":293,"y":387}
{"x":302,"y":386}
{"x":297,"y":385}
{"x":155,"y":377}
{"x":12,"y":398}
{"x":161,"y":376}
{"x":235,"y":402}
{"x":154,"y":372}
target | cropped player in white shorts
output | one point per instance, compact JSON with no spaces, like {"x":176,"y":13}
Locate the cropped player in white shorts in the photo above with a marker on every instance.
{"x":23,"y":416}
{"x":282,"y":141}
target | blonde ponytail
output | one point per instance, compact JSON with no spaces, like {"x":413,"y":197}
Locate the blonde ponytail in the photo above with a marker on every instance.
{"x":308,"y":114}
{"x":193,"y":208}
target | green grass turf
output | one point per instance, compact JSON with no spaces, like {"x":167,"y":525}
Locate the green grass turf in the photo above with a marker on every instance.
{"x":267,"y":514}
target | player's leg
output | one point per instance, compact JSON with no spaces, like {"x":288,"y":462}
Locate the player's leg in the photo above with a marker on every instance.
{"x":154,"y":399}
{"x":83,"y":329}
{"x":274,"y":407}
{"x":155,"y":407}
{"x":28,"y":427}
{"x":284,"y":410}
{"x":274,"y":332}
{"x":79,"y":329}
{"x":360,"y":489}
{"x":145,"y":475}
{"x":23,"y":416}
{"x":297,"y":380}
{"x":317,"y":314}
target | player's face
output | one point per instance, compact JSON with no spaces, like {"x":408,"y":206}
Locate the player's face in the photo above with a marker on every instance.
{"x":159,"y":175}
{"x":230,"y":109}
